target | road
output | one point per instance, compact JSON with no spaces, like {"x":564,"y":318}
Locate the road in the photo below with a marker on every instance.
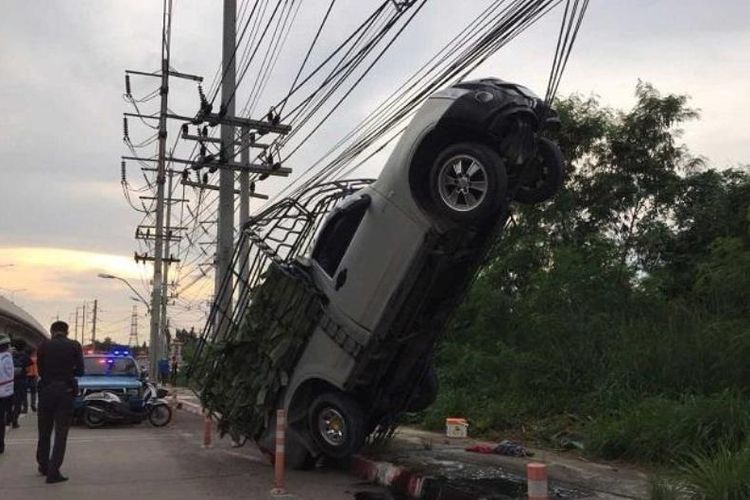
{"x":145,"y":462}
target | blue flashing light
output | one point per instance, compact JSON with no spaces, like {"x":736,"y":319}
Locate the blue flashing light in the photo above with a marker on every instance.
{"x":119,"y":353}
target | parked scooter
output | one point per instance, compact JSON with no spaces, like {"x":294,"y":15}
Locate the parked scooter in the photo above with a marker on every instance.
{"x":106,"y":407}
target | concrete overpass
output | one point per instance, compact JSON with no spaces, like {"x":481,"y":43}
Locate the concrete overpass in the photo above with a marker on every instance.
{"x":17,"y":323}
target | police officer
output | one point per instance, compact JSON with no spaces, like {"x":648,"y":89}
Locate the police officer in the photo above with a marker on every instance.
{"x":60,"y":360}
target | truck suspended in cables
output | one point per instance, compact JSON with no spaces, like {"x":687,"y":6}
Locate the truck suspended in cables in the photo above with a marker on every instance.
{"x":341,"y":290}
{"x":340,"y":293}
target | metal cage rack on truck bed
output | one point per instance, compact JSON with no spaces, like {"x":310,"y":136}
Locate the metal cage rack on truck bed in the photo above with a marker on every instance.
{"x":277,"y":236}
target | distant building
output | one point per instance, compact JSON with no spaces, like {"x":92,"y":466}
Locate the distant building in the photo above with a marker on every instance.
{"x":17,"y":323}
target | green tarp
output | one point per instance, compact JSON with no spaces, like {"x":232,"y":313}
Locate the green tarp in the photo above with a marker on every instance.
{"x":252,"y":364}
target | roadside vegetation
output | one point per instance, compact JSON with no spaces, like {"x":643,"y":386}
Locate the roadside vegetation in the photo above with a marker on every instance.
{"x":616,"y":318}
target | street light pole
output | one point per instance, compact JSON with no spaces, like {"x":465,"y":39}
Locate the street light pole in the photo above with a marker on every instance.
{"x":140,"y":297}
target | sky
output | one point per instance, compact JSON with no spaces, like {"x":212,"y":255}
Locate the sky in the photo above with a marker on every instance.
{"x":63,"y":216}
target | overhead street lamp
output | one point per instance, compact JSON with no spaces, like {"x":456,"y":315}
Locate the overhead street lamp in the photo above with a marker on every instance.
{"x":155,"y":341}
{"x":140,"y":297}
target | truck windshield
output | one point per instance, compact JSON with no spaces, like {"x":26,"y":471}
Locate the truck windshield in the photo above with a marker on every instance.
{"x":105,"y":365}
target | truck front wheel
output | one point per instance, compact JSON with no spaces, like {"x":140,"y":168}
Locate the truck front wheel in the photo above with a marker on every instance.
{"x":467,"y":182}
{"x":336,"y":424}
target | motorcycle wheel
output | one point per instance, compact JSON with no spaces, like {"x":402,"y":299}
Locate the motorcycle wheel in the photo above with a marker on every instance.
{"x":160,"y":415}
{"x":93,"y":419}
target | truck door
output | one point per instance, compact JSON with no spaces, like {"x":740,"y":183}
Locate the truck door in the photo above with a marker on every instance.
{"x":361,"y":256}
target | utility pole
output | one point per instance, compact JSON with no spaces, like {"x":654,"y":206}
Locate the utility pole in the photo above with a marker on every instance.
{"x":156,"y":294}
{"x":93,"y":325}
{"x":225,"y":226}
{"x":160,"y":233}
{"x":75,"y":335}
{"x":165,"y":275}
{"x":83,"y":324}
{"x":244,"y":208}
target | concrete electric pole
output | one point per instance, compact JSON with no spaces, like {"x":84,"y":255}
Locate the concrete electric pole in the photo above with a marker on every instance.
{"x":244,"y":205}
{"x":156,"y":294}
{"x":75,"y":334}
{"x":225,"y":226}
{"x":83,"y":325}
{"x":93,"y":325}
{"x":165,"y":274}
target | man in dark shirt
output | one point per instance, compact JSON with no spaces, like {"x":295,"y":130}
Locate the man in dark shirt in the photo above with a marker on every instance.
{"x":59,"y":360}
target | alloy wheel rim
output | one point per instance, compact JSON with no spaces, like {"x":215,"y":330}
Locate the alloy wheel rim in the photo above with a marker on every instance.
{"x":462,"y":183}
{"x":332,"y":426}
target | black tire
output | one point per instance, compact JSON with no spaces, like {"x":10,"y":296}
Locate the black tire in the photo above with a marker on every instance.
{"x":475,"y":191}
{"x":93,"y":419}
{"x":336,"y":424}
{"x":160,"y":415}
{"x":545,"y":178}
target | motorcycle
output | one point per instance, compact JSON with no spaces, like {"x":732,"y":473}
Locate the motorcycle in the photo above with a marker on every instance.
{"x":106,"y":407}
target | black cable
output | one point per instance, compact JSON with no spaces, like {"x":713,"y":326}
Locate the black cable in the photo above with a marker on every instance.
{"x":275,"y":51}
{"x":357,"y":82}
{"x":307,"y":55}
{"x":459,"y":62}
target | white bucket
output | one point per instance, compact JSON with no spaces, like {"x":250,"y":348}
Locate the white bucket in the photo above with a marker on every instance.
{"x":456,"y":427}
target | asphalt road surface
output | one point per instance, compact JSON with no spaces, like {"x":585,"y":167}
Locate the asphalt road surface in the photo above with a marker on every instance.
{"x":143,"y":462}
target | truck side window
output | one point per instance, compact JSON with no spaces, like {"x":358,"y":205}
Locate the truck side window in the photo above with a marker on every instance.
{"x":338,"y":234}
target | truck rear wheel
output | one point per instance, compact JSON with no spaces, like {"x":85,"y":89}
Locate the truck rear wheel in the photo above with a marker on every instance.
{"x":336,"y":424}
{"x":545,"y":176}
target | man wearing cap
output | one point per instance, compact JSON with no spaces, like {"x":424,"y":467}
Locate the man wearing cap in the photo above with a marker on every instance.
{"x":6,"y":385}
{"x":60,"y":361}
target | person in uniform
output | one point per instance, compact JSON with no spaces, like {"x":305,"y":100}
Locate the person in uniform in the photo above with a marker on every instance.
{"x":6,"y":385}
{"x":60,"y":361}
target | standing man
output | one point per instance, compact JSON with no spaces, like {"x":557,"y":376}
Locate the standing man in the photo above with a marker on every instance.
{"x":6,"y":385}
{"x":60,"y":361}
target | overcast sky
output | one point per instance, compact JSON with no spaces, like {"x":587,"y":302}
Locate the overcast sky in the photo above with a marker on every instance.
{"x":63,"y":217}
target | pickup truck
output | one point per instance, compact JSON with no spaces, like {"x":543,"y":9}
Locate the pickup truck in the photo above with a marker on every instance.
{"x":341,"y":292}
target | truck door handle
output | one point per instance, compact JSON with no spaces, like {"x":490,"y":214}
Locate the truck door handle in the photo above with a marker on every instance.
{"x":340,"y":279}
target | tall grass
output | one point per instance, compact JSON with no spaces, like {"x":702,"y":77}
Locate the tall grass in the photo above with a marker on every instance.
{"x":721,"y":475}
{"x":661,"y":431}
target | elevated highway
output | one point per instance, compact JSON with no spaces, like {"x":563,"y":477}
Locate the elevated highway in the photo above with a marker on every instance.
{"x":17,"y":323}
